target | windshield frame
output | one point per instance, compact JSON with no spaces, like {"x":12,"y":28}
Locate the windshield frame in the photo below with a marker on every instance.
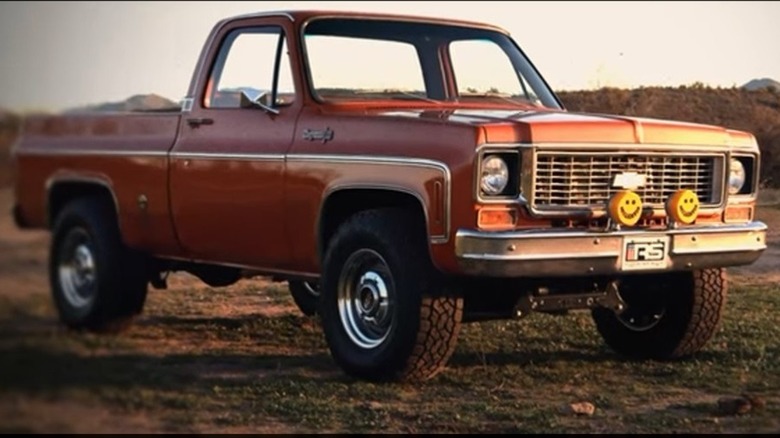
{"x":550,"y":100}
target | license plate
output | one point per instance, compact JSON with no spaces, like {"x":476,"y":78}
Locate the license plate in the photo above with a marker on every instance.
{"x":645,"y":253}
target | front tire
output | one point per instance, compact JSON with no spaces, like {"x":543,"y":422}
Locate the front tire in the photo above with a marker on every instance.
{"x":97,"y":283}
{"x":383,"y":313}
{"x":667,"y":316}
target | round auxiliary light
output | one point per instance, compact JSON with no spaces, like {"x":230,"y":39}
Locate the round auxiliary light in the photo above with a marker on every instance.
{"x":625,"y":208}
{"x":683,"y":206}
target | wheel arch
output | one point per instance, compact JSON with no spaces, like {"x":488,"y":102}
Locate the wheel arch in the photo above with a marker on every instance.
{"x":342,"y":202}
{"x":62,"y":189}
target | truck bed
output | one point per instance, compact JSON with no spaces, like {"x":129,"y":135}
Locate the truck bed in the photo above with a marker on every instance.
{"x":125,"y":153}
{"x":124,"y":132}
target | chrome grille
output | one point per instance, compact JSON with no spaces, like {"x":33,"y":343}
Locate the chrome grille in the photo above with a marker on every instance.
{"x":580,"y":180}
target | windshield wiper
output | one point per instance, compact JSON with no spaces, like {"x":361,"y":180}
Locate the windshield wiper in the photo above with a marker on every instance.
{"x":518,"y":101}
{"x":412,"y":96}
{"x":398,"y":94}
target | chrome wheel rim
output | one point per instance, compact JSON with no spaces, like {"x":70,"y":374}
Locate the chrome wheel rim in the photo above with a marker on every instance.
{"x":640,"y":323}
{"x":76,"y":269}
{"x":311,"y":288}
{"x":365,"y":299}
{"x":642,"y":316}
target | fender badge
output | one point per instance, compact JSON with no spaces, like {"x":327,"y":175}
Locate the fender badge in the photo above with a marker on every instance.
{"x":324,"y":136}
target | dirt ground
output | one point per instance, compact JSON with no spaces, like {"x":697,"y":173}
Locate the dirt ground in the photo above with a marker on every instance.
{"x":185,"y":322}
{"x":24,"y":289}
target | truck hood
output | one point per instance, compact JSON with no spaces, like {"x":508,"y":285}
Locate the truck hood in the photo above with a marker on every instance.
{"x":511,"y":126}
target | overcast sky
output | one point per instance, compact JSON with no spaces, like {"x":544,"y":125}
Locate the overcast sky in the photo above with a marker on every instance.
{"x":65,"y":54}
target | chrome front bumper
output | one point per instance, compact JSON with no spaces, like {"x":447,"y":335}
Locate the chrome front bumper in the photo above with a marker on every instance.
{"x":543,"y":253}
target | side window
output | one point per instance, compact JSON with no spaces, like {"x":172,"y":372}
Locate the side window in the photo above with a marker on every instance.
{"x":255,"y":61}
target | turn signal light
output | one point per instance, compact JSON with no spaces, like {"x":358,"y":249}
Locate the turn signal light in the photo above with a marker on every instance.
{"x":493,"y":218}
{"x":738,"y":213}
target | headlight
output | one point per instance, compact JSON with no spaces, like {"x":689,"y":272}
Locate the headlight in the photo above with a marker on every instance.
{"x":495,"y":175}
{"x":736,"y":176}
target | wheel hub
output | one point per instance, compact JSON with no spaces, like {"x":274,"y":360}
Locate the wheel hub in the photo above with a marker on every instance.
{"x":77,"y":270}
{"x":372,"y":296}
{"x":84,"y":265}
{"x":365,"y":299}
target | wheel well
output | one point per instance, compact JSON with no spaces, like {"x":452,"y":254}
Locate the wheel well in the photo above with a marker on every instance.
{"x":62,"y":193}
{"x":341,"y":205}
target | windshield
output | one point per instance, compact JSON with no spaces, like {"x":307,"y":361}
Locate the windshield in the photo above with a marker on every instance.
{"x":362,"y":59}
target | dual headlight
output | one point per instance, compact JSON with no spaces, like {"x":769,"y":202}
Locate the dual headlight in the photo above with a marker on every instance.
{"x":741,"y":170}
{"x":498,"y":175}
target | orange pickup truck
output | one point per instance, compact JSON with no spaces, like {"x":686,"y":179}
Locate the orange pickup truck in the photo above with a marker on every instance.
{"x":405,"y":175}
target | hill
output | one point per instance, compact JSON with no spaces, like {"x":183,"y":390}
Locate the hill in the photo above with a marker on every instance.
{"x":139,"y":102}
{"x":758,"y":84}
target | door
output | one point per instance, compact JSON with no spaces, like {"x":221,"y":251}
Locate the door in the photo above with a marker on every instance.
{"x":227,"y":169}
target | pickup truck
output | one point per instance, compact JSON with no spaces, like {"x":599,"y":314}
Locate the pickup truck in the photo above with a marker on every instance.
{"x":405,"y":175}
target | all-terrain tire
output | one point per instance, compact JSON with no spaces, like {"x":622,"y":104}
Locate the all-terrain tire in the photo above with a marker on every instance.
{"x":668,"y":316}
{"x":383,"y":253}
{"x":306,"y":296}
{"x":97,"y":283}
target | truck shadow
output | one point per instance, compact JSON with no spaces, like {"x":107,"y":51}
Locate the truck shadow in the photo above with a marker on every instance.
{"x":38,"y":356}
{"x":32,"y":370}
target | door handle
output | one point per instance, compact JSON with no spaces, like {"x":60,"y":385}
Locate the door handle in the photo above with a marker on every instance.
{"x":197,"y":121}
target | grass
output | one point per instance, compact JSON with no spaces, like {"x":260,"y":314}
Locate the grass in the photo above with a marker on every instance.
{"x":212,"y":372}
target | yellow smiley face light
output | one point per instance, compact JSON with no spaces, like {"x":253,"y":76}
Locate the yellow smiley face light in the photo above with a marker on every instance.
{"x":683,"y":206}
{"x":625,"y":208}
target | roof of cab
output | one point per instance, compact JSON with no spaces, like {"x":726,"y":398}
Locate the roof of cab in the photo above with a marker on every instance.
{"x":304,"y":15}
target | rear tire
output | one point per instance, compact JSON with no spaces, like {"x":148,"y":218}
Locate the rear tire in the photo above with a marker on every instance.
{"x":383,"y":313}
{"x":306,"y":296}
{"x":97,"y":283}
{"x":667,"y":316}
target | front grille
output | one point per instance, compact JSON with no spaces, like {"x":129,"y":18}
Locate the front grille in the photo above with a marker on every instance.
{"x":582,"y":180}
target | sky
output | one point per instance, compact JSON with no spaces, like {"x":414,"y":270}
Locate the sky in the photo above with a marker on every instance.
{"x":57,"y":55}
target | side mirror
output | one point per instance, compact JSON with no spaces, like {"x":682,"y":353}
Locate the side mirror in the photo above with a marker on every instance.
{"x":252,"y":98}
